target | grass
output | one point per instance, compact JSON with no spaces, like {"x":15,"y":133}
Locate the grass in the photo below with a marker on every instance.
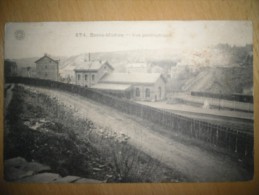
{"x":71,"y":146}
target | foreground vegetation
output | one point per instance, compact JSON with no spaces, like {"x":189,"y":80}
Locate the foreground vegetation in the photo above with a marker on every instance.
{"x":40,"y":128}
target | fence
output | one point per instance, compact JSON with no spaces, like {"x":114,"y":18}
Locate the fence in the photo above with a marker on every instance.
{"x":234,"y":140}
{"x":233,"y":97}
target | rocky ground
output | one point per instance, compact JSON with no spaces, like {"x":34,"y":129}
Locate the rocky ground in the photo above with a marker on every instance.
{"x":19,"y":170}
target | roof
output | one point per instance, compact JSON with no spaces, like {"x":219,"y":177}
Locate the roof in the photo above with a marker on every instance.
{"x":130,"y":78}
{"x":45,"y":55}
{"x":91,"y":65}
{"x":112,"y":87}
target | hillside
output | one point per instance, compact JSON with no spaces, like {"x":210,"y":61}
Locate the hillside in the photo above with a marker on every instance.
{"x":223,"y":80}
{"x":219,"y":69}
{"x":120,"y":59}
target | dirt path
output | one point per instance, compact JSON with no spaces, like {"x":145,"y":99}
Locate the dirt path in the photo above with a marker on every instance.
{"x":194,"y":162}
{"x":8,"y":95}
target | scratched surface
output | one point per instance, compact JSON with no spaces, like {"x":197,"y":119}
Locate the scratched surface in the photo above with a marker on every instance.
{"x":68,"y":10}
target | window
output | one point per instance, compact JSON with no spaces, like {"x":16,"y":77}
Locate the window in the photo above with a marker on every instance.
{"x":93,"y":77}
{"x":46,"y":66}
{"x":147,"y":92}
{"x":46,"y":74}
{"x":86,"y":77}
{"x":78,"y":77}
{"x":137,"y":92}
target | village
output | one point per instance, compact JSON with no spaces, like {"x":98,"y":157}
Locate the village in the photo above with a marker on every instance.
{"x":100,"y":75}
{"x":141,"y":90}
{"x":143,"y":83}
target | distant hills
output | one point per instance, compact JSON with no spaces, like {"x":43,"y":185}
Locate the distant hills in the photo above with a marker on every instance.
{"x":219,"y":69}
{"x":224,"y":80}
{"x":224,"y":69}
{"x":120,"y":59}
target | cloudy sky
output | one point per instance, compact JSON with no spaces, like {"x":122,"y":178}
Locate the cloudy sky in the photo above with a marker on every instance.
{"x":24,"y":40}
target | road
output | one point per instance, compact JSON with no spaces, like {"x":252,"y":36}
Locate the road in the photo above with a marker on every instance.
{"x":194,"y":162}
{"x":8,"y":95}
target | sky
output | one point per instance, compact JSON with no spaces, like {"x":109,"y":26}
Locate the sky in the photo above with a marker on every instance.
{"x":24,"y":40}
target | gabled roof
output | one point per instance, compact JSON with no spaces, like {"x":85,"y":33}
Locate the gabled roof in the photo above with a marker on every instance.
{"x":47,"y":56}
{"x":91,"y":66}
{"x":130,"y":78}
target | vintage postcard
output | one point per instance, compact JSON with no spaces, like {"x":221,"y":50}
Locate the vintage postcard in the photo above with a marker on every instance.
{"x":128,"y":101}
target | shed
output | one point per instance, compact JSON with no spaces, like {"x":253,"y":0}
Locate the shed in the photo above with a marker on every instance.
{"x":145,"y":86}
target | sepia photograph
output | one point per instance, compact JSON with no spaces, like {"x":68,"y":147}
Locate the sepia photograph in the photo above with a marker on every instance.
{"x":128,"y":102}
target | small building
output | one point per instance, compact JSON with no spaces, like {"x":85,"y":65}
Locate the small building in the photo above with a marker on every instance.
{"x":88,"y":73}
{"x":10,"y":68}
{"x":99,"y":75}
{"x":47,"y":68}
{"x":144,"y":86}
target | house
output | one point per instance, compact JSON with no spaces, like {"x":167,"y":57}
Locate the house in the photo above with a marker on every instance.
{"x":142,"y":86}
{"x":88,"y":73}
{"x":47,"y":68}
{"x":99,"y":75}
{"x":10,"y":68}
